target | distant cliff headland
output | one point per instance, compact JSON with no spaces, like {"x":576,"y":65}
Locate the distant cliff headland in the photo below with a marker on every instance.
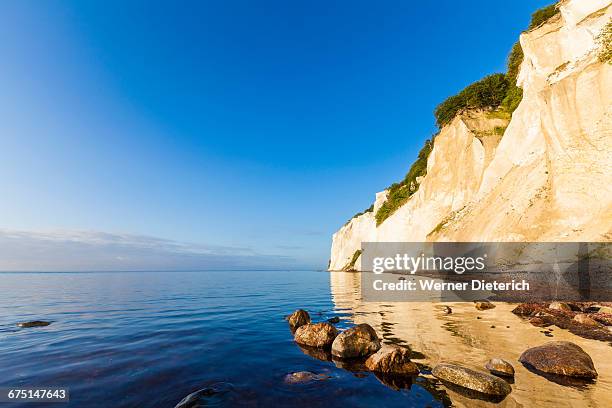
{"x":519,"y":156}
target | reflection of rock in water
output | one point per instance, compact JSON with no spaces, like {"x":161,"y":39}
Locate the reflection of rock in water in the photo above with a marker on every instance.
{"x":424,"y":327}
{"x":396,"y":382}
{"x":318,"y":353}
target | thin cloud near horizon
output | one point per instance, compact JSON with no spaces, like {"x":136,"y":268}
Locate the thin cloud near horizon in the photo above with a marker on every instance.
{"x":76,"y":251}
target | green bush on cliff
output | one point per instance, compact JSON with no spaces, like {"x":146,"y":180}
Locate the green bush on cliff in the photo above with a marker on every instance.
{"x":496,"y":91}
{"x":605,"y":41}
{"x":489,"y":92}
{"x":399,"y":193}
{"x":367,"y":210}
{"x":351,"y":265}
{"x":515,"y":59}
{"x":542,"y":15}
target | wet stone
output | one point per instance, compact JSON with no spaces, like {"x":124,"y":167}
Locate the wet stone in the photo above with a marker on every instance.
{"x":471,"y":379}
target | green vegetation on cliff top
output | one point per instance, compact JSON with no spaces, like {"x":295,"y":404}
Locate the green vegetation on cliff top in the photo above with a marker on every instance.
{"x":493,"y":92}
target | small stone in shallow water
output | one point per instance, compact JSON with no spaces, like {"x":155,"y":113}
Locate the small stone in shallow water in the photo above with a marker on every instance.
{"x":334,"y":320}
{"x":299,"y":318}
{"x":448,"y":310}
{"x":471,"y":379}
{"x":560,"y":357}
{"x":35,"y":323}
{"x":498,"y":366}
{"x":203,"y":397}
{"x":302,"y":377}
{"x":484,"y":305}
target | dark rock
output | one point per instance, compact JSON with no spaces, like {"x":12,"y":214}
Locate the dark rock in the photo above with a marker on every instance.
{"x":471,"y":379}
{"x":527,"y":309}
{"x":203,"y":397}
{"x":484,"y":305}
{"x":392,"y":360}
{"x":539,"y":322}
{"x":448,"y":310}
{"x":316,"y":335}
{"x":358,"y":341}
{"x":302,"y":377}
{"x":299,"y":318}
{"x":561,"y":358}
{"x":334,"y":320}
{"x":501,"y":367}
{"x":35,"y":323}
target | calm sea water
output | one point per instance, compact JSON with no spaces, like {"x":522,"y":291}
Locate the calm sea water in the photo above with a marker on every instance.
{"x":150,"y":339}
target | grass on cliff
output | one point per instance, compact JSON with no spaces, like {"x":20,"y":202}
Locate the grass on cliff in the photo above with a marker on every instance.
{"x":351,"y":265}
{"x":399,"y":193}
{"x":542,"y":15}
{"x":605,"y":41}
{"x":367,"y":210}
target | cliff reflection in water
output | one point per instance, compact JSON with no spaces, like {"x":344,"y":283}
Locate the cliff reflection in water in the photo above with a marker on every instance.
{"x":470,"y":337}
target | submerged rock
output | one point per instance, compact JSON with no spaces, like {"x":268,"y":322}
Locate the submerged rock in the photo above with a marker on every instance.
{"x":484,"y":305}
{"x":501,"y":367}
{"x":471,"y":379}
{"x":392,"y":360}
{"x":299,"y":318}
{"x":561,"y":358}
{"x":358,"y":341}
{"x":316,"y":334}
{"x":35,"y":323}
{"x":334,"y":320}
{"x":302,"y":377}
{"x":203,"y":397}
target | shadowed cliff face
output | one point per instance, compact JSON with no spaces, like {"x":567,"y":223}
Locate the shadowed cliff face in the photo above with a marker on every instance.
{"x":548,"y":178}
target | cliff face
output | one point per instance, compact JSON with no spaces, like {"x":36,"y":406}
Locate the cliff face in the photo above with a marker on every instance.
{"x":548,"y":178}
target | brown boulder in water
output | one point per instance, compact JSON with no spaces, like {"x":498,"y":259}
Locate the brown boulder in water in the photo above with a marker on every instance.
{"x":316,"y":335}
{"x":392,"y":360}
{"x":299,"y":318}
{"x":358,"y":341}
{"x":561,"y":358}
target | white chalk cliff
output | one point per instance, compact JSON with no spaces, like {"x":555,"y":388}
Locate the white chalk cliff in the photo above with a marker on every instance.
{"x":548,"y":178}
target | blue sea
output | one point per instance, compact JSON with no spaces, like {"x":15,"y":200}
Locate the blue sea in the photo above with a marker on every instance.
{"x":148,"y":339}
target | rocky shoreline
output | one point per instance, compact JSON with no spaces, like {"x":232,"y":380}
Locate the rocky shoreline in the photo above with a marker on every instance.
{"x":360,"y":349}
{"x":585,"y":319}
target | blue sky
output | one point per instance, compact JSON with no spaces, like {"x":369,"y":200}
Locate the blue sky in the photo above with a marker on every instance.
{"x":259,"y":126}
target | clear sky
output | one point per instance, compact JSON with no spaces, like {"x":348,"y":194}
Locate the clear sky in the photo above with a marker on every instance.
{"x":257,"y":127}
